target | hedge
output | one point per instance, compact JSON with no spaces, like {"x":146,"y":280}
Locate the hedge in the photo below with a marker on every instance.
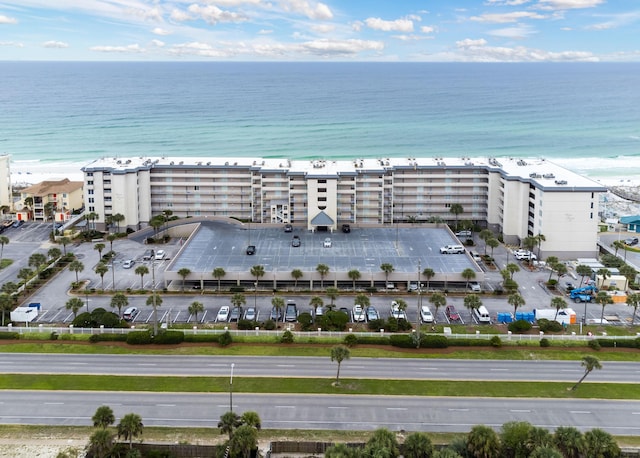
{"x":432,"y":341}
{"x":169,"y":338}
{"x":626,"y":343}
{"x":373,"y":340}
{"x":139,"y":338}
{"x":108,"y":337}
{"x":468,"y":342}
{"x":201,"y":338}
{"x":9,"y":335}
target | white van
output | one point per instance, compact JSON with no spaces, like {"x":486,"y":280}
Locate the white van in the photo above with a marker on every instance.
{"x":452,"y":249}
{"x":482,"y":315}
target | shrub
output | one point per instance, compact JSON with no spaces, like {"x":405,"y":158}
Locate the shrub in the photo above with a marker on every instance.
{"x":520,"y":326}
{"x":333,"y":321}
{"x":306,"y":321}
{"x":9,"y":335}
{"x":496,"y":342}
{"x":376,"y":325}
{"x":53,"y":335}
{"x":544,"y":342}
{"x":246,"y":324}
{"x":432,"y":341}
{"x":237,"y":289}
{"x":287,"y":337}
{"x":225,"y":339}
{"x":402,"y":341}
{"x":139,"y":338}
{"x":108,"y":337}
{"x":269,"y":325}
{"x":549,"y":326}
{"x":350,"y":340}
{"x":169,"y":338}
{"x":201,"y":337}
{"x":594,"y":345}
{"x":467,"y":342}
{"x":551,"y":284}
{"x":373,"y":340}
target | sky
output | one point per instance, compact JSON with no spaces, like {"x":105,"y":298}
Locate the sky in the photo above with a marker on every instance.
{"x":330,"y":30}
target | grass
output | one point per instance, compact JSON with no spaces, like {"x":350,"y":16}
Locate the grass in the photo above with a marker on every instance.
{"x":508,"y":389}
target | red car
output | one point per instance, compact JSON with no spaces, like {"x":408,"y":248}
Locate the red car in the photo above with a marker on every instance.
{"x":451,"y":313}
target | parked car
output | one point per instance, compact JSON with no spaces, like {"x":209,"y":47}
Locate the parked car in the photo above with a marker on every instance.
{"x":344,"y":310}
{"x":251,"y":249}
{"x":160,"y":255}
{"x":295,"y":242}
{"x":250,"y":314}
{"x":18,"y":223}
{"x":276,"y":314}
{"x":451,"y":313}
{"x":291,"y":312}
{"x":357,"y":314}
{"x":346,"y":228}
{"x":463,"y":233}
{"x":223,"y":314}
{"x":128,"y":263}
{"x":452,"y":249}
{"x":372,"y":313}
{"x":327,"y":242}
{"x":235,"y":314}
{"x":631,"y":241}
{"x":130,"y":313}
{"x":475,"y":287}
{"x":524,"y":255}
{"x":425,"y":314}
{"x":319,"y":311}
{"x":396,"y":312}
{"x":148,"y":255}
{"x":288,"y":228}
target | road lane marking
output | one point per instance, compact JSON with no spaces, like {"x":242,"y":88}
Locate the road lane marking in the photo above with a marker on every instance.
{"x":520,"y":410}
{"x":286,"y":365}
{"x":336,"y":407}
{"x":54,"y":403}
{"x":285,"y":407}
{"x":396,"y":408}
{"x":165,"y":405}
{"x":579,"y":411}
{"x":499,"y":370}
{"x":458,"y":410}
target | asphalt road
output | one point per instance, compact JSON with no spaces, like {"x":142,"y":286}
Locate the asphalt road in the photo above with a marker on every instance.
{"x":292,"y":411}
{"x":314,"y":367}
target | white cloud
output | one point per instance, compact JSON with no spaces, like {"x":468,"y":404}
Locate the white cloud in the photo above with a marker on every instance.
{"x":500,"y":18}
{"x":313,"y":10}
{"x":118,"y":49}
{"x":197,"y":49}
{"x":7,"y":20}
{"x":399,"y":25}
{"x":11,"y":43}
{"x":213,"y":15}
{"x":326,"y":47}
{"x":158,"y":43}
{"x":478,"y":51}
{"x":519,"y":32}
{"x":427,"y":29}
{"x":411,"y":37}
{"x":323,"y":28}
{"x":506,"y":2}
{"x":469,"y":43}
{"x":180,"y":16}
{"x":617,"y":20}
{"x":569,"y":4}
{"x":265,"y":32}
{"x":55,"y":44}
{"x":160,"y":31}
{"x":357,"y":26}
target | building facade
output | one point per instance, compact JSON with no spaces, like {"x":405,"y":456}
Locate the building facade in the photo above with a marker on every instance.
{"x":59,"y":198}
{"x":515,"y":198}
{"x":6,"y":199}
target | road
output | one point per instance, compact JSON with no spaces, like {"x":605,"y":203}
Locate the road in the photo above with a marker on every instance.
{"x":315,"y":367}
{"x":293,"y":411}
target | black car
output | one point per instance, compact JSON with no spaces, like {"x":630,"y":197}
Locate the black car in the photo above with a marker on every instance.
{"x":346,"y":228}
{"x":251,"y":249}
{"x":296,"y":241}
{"x":288,"y":228}
{"x":276,"y":314}
{"x":235,"y":314}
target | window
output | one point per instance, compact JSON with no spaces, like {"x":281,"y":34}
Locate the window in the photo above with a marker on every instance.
{"x":89,"y":174}
{"x":322,"y":189}
{"x":322,"y":181}
{"x":89,"y":191}
{"x":322,"y":199}
{"x":90,"y":183}
{"x":91,"y":200}
{"x":92,"y":209}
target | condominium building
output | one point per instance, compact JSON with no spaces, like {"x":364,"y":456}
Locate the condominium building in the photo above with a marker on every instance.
{"x":59,"y":198}
{"x":514,"y":197}
{"x":5,"y":185}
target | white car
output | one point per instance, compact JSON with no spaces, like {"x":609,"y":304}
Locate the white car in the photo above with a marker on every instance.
{"x":522,"y":255}
{"x":327,"y":242}
{"x":358,"y":314}
{"x":396,"y":312}
{"x":425,"y":314}
{"x":128,"y":263}
{"x":223,"y":313}
{"x":160,"y":255}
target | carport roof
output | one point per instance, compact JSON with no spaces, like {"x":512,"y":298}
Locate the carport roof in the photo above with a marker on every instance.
{"x":322,"y":219}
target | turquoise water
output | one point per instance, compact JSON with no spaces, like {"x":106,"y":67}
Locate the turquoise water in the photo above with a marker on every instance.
{"x":584,"y":115}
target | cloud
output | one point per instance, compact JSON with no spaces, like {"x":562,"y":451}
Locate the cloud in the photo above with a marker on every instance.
{"x":160,"y":31}
{"x":500,"y":18}
{"x":180,"y":16}
{"x":265,"y":32}
{"x":11,"y":43}
{"x":569,"y":4}
{"x":327,"y":47}
{"x":399,"y":25}
{"x":213,"y":15}
{"x":55,"y":44}
{"x":118,"y":49}
{"x":519,"y":32}
{"x":323,"y":28}
{"x":617,"y":20}
{"x":478,"y":51}
{"x":7,"y":20}
{"x":427,"y":29}
{"x":158,"y":43}
{"x":198,"y":49}
{"x":411,"y":37}
{"x":506,"y":2}
{"x":313,"y":10}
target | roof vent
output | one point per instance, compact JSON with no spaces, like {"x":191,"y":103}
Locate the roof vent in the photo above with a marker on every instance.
{"x":560,"y":182}
{"x":548,"y":175}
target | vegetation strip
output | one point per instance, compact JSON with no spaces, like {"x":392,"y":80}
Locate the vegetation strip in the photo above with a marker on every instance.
{"x":556,"y":390}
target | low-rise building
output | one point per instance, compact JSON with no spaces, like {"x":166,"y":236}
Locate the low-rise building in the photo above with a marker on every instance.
{"x":59,"y":198}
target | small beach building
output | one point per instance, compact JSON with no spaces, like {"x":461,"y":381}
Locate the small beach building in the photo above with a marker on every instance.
{"x":60,"y":198}
{"x":631,"y":222}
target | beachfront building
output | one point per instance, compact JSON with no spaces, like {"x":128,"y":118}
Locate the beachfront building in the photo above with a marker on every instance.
{"x":515,"y":198}
{"x":57,"y":198}
{"x":5,"y":186}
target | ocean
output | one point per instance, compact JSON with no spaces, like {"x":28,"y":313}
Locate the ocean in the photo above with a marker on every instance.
{"x":585,"y":116}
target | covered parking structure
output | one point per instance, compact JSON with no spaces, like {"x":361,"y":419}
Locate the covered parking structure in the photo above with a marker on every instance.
{"x":408,"y":248}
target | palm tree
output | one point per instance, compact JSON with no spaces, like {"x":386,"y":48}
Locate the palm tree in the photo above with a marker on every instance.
{"x":570,"y":441}
{"x":617,"y":244}
{"x":99,"y":247}
{"x":119,"y":301}
{"x":101,"y":269}
{"x":604,"y":273}
{"x":438,"y":300}
{"x":417,"y":445}
{"x":6,"y":304}
{"x":512,"y":269}
{"x":155,"y":301}
{"x":428,"y":273}
{"x":74,"y":304}
{"x":339,"y":450}
{"x":142,"y":271}
{"x":117,"y":218}
{"x":362,"y":300}
{"x":633,"y":300}
{"x":339,"y":353}
{"x":456,"y":209}
{"x":258,"y":272}
{"x":558,"y":303}
{"x":229,"y":421}
{"x":354,"y":275}
{"x":584,"y":271}
{"x":315,"y":302}
{"x":244,"y":440}
{"x":64,"y":241}
{"x":472,"y":301}
{"x":483,"y":442}
{"x":76,"y":266}
{"x":103,"y":417}
{"x":218,"y":273}
{"x":539,"y":239}
{"x":111,"y":238}
{"x":493,"y":243}
{"x":278,"y":303}
{"x":252,"y":419}
{"x":54,"y":253}
{"x":238,"y":299}
{"x":468,"y":274}
{"x":551,"y":262}
{"x":515,"y":300}
{"x":485,"y":234}
{"x":25,"y":275}
{"x":130,"y":426}
{"x":603,"y":299}
{"x":387,"y":269}
{"x":323,"y":270}
{"x":332,"y":293}
{"x":600,"y":444}
{"x":184,"y":273}
{"x":561,"y":269}
{"x":195,"y":308}
{"x":402,"y":307}
{"x":28,"y":202}
{"x":589,"y":363}
{"x":4,"y":240}
{"x":297,"y":275}
{"x":101,"y":443}
{"x":382,"y":443}
{"x":37,"y":260}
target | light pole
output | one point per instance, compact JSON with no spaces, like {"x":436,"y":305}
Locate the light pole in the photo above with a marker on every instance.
{"x":419,"y":294}
{"x":231,"y":389}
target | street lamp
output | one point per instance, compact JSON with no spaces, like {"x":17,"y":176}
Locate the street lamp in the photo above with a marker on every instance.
{"x":231,"y":389}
